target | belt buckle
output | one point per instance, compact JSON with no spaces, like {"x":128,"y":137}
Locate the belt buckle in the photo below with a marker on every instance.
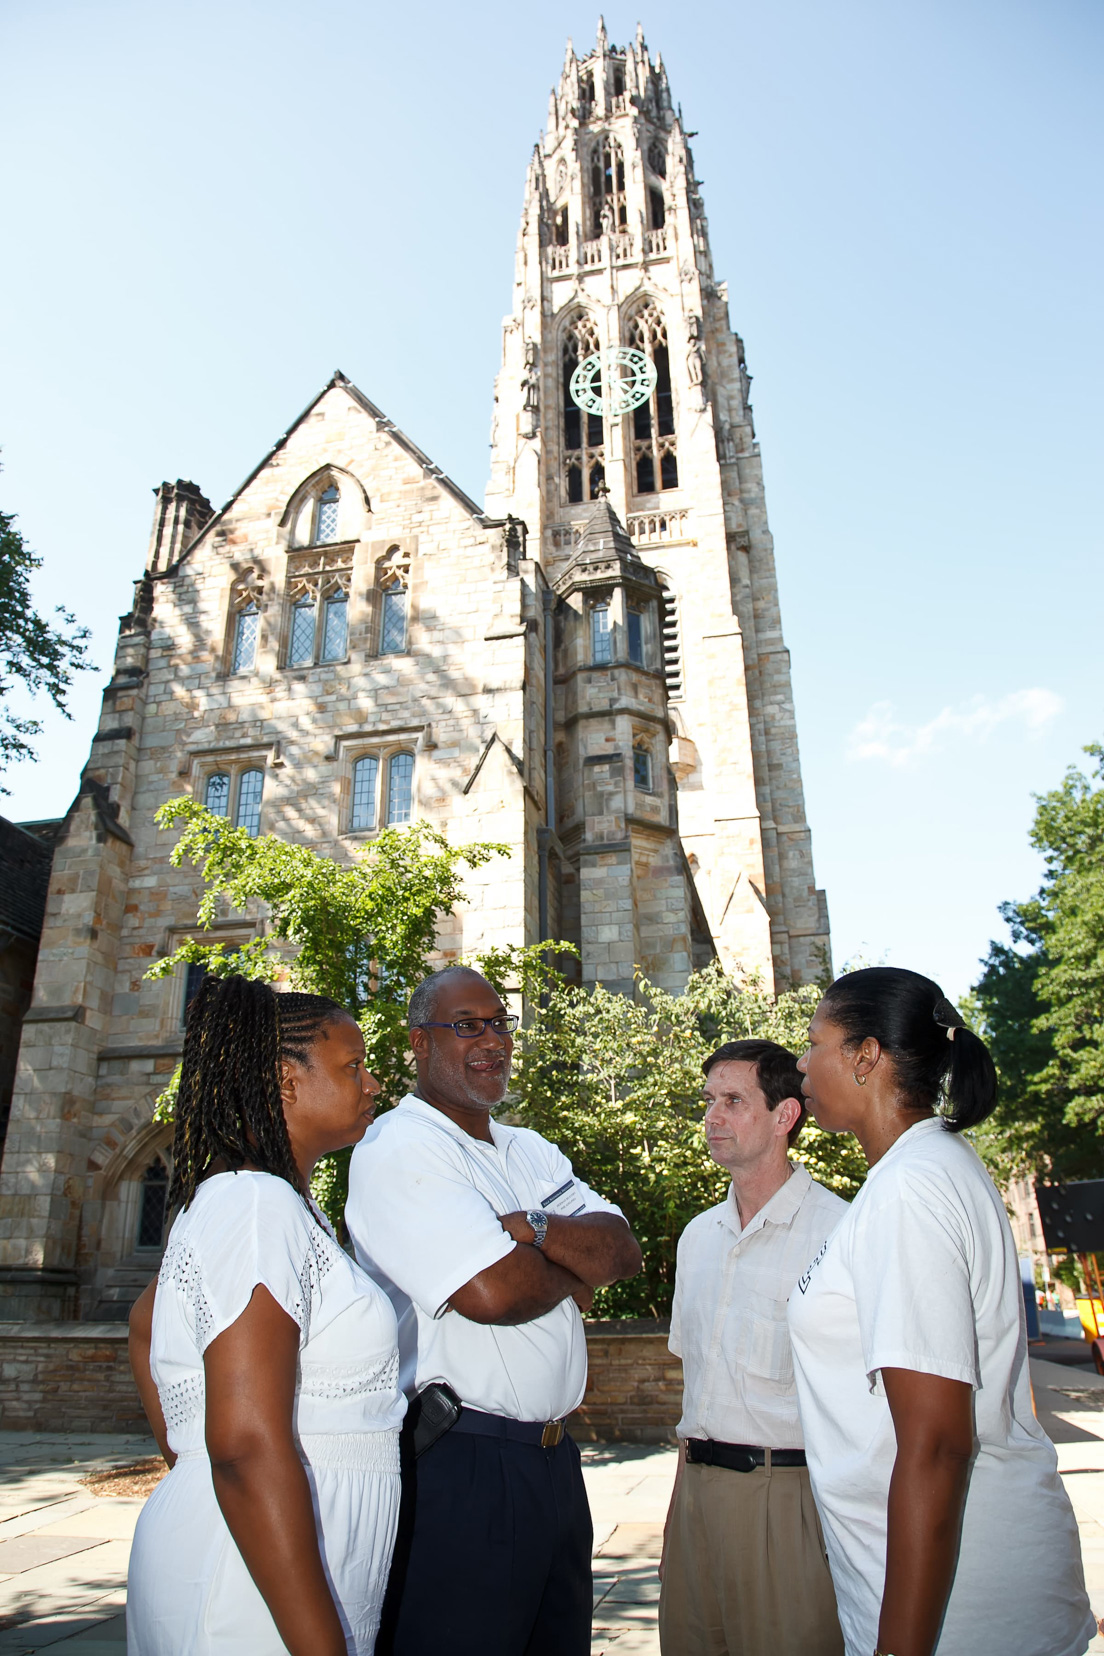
{"x":552,"y":1435}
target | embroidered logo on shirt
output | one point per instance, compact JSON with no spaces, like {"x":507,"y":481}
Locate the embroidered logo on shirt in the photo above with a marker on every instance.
{"x":806,"y":1277}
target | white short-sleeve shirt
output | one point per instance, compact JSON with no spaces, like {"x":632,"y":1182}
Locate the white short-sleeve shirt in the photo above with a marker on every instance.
{"x":250,"y":1229}
{"x":922,"y":1274}
{"x":423,"y":1212}
{"x":728,"y":1320}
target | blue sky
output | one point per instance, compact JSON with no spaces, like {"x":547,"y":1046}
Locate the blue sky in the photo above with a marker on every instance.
{"x":209,"y":207}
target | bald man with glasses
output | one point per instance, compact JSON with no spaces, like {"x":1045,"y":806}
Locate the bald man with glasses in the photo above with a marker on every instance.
{"x":490,"y":1248}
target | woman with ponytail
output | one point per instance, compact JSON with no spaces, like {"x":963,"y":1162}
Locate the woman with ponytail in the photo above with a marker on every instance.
{"x":946,"y":1524}
{"x":267,"y":1361}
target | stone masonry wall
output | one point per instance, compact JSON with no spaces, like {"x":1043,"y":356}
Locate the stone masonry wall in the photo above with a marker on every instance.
{"x":75,"y":1377}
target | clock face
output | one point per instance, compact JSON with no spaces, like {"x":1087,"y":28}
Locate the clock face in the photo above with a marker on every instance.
{"x":613,"y":382}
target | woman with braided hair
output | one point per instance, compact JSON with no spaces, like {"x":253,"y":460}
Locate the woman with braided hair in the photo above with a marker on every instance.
{"x":266,"y":1359}
{"x":947,"y":1527}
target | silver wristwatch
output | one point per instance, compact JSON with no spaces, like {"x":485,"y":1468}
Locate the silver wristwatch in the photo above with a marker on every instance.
{"x":539,"y":1221}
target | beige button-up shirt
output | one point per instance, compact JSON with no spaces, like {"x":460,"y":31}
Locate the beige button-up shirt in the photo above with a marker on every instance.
{"x":728,"y":1322}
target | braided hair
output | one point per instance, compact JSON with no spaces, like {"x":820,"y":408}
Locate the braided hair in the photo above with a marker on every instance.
{"x":229,"y":1103}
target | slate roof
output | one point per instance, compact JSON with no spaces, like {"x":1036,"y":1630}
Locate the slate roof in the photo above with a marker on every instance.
{"x":25,"y":863}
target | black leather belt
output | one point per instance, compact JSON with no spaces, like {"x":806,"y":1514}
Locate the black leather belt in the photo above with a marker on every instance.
{"x":739,"y":1457}
{"x":548,"y":1433}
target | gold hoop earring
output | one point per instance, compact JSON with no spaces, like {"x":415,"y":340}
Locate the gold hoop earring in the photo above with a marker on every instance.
{"x":860,"y":1080}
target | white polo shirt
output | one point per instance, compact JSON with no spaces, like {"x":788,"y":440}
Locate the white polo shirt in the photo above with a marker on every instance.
{"x":728,"y":1322}
{"x":423,"y":1212}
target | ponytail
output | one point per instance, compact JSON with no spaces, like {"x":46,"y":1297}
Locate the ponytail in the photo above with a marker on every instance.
{"x":971,"y":1083}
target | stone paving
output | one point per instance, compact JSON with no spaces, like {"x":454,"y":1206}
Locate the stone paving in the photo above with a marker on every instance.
{"x":63,"y":1549}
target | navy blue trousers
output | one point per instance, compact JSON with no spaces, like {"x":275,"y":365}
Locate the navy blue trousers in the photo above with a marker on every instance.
{"x":493,"y":1553}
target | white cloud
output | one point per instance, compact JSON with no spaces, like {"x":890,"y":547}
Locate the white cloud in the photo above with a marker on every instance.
{"x":880,"y":735}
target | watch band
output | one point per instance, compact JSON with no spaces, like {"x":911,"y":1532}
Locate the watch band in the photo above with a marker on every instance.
{"x":538,"y":1219}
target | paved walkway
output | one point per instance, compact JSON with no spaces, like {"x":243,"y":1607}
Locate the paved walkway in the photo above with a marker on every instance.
{"x":63,"y":1547}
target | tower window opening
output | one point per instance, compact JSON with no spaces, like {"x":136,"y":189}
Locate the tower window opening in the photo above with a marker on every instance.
{"x":642,"y":767}
{"x":657,"y":211}
{"x":655,"y":461}
{"x":325,"y":517}
{"x":672,"y":644}
{"x":301,"y":638}
{"x":618,"y":80}
{"x":365,"y":777}
{"x":248,"y":813}
{"x":560,"y":227}
{"x":608,"y":202}
{"x":152,"y":1205}
{"x":245,"y":638}
{"x":601,"y":641}
{"x":634,"y":626}
{"x":586,"y":92}
{"x":335,"y":627}
{"x":657,"y":159}
{"x":583,"y":466}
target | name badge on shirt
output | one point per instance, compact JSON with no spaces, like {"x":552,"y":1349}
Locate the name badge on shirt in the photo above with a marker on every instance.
{"x":564,"y":1201}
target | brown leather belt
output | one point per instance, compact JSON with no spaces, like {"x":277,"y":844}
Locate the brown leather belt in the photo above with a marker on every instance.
{"x":739,"y":1457}
{"x":549,"y":1434}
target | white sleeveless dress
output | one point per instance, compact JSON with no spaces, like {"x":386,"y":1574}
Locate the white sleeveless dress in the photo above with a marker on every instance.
{"x":189,"y":1592}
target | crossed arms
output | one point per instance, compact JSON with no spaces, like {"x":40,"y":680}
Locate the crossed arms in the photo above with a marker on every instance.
{"x":579,"y":1254}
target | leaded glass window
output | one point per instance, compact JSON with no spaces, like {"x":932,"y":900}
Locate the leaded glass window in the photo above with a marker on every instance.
{"x":325,"y":522}
{"x":335,"y":627}
{"x":642,"y":769}
{"x":634,"y":625}
{"x":301,"y":639}
{"x":245,"y":638}
{"x":365,"y":777}
{"x":400,"y":788}
{"x":601,"y":642}
{"x":248,"y":814}
{"x":217,"y":796}
{"x":393,"y":621}
{"x":195,"y":976}
{"x":151,"y":1205}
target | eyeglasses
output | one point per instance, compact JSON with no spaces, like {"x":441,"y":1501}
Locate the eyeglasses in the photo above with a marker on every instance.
{"x":468,"y":1028}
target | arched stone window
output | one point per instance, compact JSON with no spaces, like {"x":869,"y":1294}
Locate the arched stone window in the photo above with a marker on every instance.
{"x":365,"y":785}
{"x":216,"y":795}
{"x":246,"y":622}
{"x":301,"y":636}
{"x":393,"y":581}
{"x":248,"y":813}
{"x":400,"y":788}
{"x":609,"y":207}
{"x":655,"y":461}
{"x":584,"y":452}
{"x":325,"y":516}
{"x":657,"y":159}
{"x":152,"y":1206}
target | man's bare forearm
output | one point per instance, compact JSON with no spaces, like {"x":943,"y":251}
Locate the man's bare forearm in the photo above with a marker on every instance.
{"x":518,"y":1289}
{"x":598,"y":1248}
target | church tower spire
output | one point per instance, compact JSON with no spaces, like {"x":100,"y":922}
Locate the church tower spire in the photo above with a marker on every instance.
{"x":613,"y":253}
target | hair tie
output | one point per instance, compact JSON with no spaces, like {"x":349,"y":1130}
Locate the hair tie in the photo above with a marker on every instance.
{"x":948,"y":1017}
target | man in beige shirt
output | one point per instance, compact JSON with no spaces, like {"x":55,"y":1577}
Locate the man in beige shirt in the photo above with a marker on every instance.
{"x":744,"y":1569}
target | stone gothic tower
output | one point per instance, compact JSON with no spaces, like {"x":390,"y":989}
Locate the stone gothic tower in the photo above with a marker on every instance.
{"x":614,"y":250}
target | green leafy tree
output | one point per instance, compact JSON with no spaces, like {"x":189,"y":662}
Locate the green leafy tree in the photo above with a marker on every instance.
{"x":40,"y":656}
{"x":1041,"y":998}
{"x":617,"y":1084}
{"x":360,"y":932}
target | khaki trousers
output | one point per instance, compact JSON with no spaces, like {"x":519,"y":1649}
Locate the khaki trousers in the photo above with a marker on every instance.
{"x":745,"y":1571}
